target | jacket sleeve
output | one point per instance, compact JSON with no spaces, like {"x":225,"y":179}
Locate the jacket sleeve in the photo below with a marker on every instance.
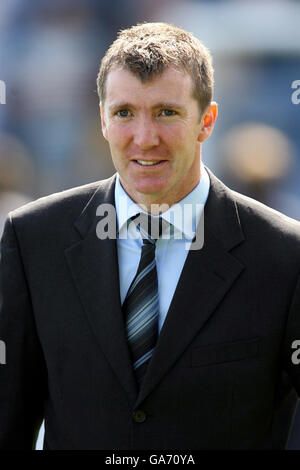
{"x":291,"y":343}
{"x":22,"y":367}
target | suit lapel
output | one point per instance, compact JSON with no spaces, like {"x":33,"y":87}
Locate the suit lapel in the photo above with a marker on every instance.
{"x":94,"y":267}
{"x":207,"y":275}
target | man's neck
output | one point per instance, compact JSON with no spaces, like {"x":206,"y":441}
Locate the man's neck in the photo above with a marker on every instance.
{"x":156,"y":204}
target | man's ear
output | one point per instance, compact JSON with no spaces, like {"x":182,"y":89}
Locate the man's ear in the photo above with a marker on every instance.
{"x":103,"y":123}
{"x":208,"y":121}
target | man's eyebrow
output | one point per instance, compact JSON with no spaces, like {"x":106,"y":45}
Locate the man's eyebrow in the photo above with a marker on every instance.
{"x":160,"y":105}
{"x":119,"y":105}
{"x":165,"y":104}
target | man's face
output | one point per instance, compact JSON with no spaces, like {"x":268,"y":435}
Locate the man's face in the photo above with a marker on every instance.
{"x":154,"y":133}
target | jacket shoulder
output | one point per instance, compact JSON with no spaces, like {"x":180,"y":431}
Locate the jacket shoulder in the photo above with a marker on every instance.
{"x":257,"y":220}
{"x":263,"y":216}
{"x":69,"y":202}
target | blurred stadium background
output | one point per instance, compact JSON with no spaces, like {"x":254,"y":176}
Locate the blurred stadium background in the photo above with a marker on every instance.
{"x":50,"y":134}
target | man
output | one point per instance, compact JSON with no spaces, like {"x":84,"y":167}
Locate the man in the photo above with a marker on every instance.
{"x":141,"y":341}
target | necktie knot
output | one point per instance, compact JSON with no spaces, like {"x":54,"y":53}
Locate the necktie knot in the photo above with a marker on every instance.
{"x":150,"y":227}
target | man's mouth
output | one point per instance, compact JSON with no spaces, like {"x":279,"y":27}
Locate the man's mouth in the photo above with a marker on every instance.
{"x":149,"y":162}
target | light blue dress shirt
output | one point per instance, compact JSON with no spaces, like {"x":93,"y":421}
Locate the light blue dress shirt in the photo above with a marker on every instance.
{"x":170,"y":253}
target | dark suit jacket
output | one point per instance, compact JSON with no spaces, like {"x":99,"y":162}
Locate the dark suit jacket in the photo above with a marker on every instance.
{"x":221,"y":375}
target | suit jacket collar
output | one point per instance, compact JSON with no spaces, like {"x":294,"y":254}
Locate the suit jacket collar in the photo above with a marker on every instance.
{"x":104,"y":194}
{"x":222,"y":216}
{"x":207,"y":275}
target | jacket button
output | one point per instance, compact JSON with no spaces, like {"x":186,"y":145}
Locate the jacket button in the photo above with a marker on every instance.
{"x":139,"y":416}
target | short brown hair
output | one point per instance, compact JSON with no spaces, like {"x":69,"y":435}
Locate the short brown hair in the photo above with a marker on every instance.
{"x":147,"y":49}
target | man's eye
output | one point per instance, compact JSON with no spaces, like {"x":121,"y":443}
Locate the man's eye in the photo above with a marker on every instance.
{"x":168,"y":112}
{"x":123,"y":113}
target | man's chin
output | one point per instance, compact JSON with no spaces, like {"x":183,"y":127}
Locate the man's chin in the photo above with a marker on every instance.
{"x":151,"y":191}
{"x":155,"y":192}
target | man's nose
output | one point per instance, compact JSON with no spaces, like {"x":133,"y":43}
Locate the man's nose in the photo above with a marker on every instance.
{"x":145,"y":134}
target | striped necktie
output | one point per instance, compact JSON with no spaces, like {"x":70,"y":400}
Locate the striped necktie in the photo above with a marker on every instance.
{"x":141,"y":307}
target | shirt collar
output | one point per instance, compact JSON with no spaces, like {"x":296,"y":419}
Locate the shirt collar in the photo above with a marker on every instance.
{"x":184,"y":215}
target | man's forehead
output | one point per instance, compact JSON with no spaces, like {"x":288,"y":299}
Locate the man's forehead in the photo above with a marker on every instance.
{"x":170,"y":81}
